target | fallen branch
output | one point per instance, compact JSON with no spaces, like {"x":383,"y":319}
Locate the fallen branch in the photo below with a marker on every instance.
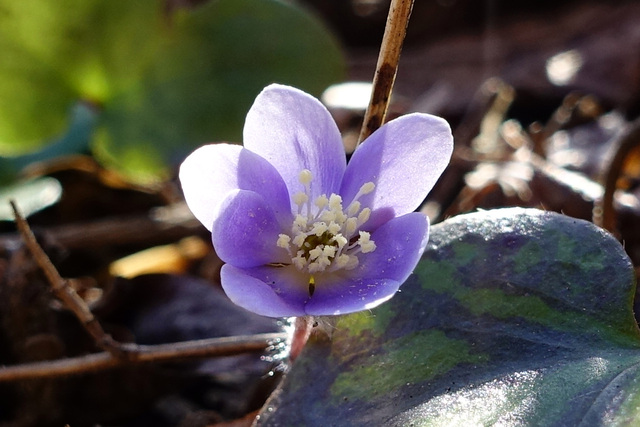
{"x":140,"y":354}
{"x":173,"y":223}
{"x":116,"y":354}
{"x":64,"y":292}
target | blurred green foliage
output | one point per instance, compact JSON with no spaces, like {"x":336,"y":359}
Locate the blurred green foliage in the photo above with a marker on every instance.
{"x":159,"y":83}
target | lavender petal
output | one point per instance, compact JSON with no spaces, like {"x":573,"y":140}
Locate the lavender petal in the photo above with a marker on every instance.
{"x":246,"y":231}
{"x":341,"y":296}
{"x":211,"y":172}
{"x":404,"y":158}
{"x":294,"y":131}
{"x":269,"y":291}
{"x":400,"y":244}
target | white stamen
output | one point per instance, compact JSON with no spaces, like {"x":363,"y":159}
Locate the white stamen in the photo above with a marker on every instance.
{"x":354,"y":208}
{"x":334,"y":228}
{"x":364,"y":216}
{"x":350,"y":226}
{"x":321,"y":202}
{"x":315,"y":253}
{"x":300,"y":199}
{"x":342,"y":261}
{"x":319,"y":228}
{"x":283,"y":241}
{"x":305,"y":177}
{"x":299,"y":239}
{"x":365,"y":243}
{"x":367,"y":188}
{"x":322,"y":229}
{"x":340,"y":240}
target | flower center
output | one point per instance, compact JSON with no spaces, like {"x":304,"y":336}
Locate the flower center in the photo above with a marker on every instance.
{"x":324,"y":236}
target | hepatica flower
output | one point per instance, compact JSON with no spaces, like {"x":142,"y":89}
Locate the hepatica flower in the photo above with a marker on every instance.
{"x":302,"y":232}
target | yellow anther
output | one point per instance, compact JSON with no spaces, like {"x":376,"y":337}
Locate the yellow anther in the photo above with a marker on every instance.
{"x":365,"y":243}
{"x":340,"y":240}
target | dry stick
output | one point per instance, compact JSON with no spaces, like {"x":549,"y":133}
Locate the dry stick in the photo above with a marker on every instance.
{"x":387,"y":66}
{"x":123,"y":230}
{"x":139,"y":354}
{"x":116,"y":354}
{"x":627,"y":142}
{"x":64,"y":292}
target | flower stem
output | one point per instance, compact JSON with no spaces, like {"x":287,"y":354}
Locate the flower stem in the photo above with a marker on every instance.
{"x":303,"y":326}
{"x":387,"y":66}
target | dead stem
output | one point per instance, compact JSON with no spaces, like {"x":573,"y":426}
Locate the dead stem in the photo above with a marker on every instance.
{"x":116,"y":354}
{"x":137,"y":229}
{"x":139,"y":354}
{"x":64,"y":292}
{"x":387,"y":66}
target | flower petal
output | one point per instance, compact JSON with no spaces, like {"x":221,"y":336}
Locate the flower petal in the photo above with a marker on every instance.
{"x":211,"y":172}
{"x":404,"y":158}
{"x":350,"y":295}
{"x":256,"y":295}
{"x":246,"y":231}
{"x":399,"y":246}
{"x":294,"y":131}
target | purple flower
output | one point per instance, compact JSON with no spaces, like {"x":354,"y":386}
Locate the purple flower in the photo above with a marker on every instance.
{"x":300,"y":231}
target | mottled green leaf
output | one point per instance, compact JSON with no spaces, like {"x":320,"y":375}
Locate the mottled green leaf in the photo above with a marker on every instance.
{"x":513,"y":317}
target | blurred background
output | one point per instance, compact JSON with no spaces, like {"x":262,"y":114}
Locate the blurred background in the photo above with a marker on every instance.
{"x":100,"y":100}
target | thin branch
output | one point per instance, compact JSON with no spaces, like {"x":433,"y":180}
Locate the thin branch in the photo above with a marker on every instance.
{"x":124,"y":230}
{"x":64,"y":292}
{"x":387,"y":66}
{"x":139,"y":354}
{"x":627,"y":142}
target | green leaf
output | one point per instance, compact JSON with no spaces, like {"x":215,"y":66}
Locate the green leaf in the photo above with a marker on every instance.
{"x":75,"y":140}
{"x":215,"y":60}
{"x":55,"y":53}
{"x":165,"y":84}
{"x":512,"y":317}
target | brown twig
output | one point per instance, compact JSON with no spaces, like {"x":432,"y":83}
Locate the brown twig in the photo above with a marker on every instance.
{"x":387,"y":66}
{"x":116,"y":354}
{"x":139,"y":354}
{"x":125,"y":230}
{"x":64,"y":292}
{"x":606,"y":217}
